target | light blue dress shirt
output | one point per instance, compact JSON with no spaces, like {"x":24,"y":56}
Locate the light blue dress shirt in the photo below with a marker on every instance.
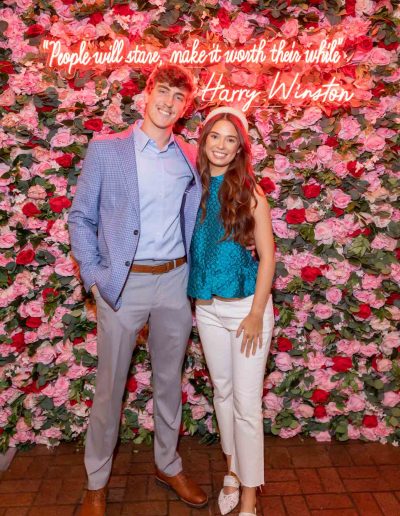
{"x":163,"y":176}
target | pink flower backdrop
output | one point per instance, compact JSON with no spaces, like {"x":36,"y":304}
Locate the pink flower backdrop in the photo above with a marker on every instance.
{"x":328,"y":170}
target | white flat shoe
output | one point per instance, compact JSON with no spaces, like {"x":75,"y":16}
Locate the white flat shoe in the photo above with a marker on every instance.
{"x":227,"y":502}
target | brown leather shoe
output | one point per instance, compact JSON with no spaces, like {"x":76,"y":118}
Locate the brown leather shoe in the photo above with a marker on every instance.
{"x":185,"y":488}
{"x":94,"y":503}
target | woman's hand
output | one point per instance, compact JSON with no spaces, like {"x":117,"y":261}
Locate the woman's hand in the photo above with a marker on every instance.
{"x":251,"y":326}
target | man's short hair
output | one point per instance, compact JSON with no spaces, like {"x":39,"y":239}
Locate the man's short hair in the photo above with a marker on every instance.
{"x":174,"y":76}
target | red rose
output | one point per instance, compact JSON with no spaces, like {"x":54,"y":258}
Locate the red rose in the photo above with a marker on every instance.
{"x":342,"y":364}
{"x":18,"y":341}
{"x":364,"y":44}
{"x":296,"y":216}
{"x":284,"y":344}
{"x":331,"y":141}
{"x":95,"y":124}
{"x":78,"y":340}
{"x":245,"y":7}
{"x":49,"y":225}
{"x":320,"y":396}
{"x":25,"y":257}
{"x":267,"y":185}
{"x":47,"y":292}
{"x":370,"y":421}
{"x":310,"y":274}
{"x":96,"y":18}
{"x":6,"y":67}
{"x":65,"y":160}
{"x":337,"y":211}
{"x":351,"y":7}
{"x":122,"y":10}
{"x":394,"y":296}
{"x":129,"y":89}
{"x":88,"y":403}
{"x":311,"y":191}
{"x":57,"y":204}
{"x":184,"y":397}
{"x":33,"y":388}
{"x":397,"y":253}
{"x":320,"y":411}
{"x":131,"y":384}
{"x":30,"y":210}
{"x":364,"y":311}
{"x":34,"y":30}
{"x":349,"y":71}
{"x":33,"y":322}
{"x":68,"y":2}
{"x":388,"y":46}
{"x":223,"y":17}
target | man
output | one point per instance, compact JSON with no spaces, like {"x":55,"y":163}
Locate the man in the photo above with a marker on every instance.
{"x":131,"y":223}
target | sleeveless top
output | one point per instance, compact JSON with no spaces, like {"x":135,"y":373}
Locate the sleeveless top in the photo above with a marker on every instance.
{"x":218,"y":267}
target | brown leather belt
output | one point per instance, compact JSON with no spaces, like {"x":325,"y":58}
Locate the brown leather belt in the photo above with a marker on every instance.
{"x":159,"y":269}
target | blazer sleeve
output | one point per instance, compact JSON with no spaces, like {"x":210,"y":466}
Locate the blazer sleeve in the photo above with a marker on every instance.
{"x":84,"y":217}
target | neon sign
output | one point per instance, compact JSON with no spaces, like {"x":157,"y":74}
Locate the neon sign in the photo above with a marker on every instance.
{"x":270,"y":58}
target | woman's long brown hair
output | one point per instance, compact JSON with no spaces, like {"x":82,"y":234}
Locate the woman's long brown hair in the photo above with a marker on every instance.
{"x":237,"y":192}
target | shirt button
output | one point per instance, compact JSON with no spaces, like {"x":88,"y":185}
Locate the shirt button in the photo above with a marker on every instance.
{"x":136,"y":232}
{"x":127,"y":264}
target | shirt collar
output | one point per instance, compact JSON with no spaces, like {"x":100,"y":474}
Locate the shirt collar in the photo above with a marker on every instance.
{"x":142,"y":139}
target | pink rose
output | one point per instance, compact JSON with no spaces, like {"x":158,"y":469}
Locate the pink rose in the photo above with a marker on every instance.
{"x":384,"y":242}
{"x":310,"y":117}
{"x":273,"y":402}
{"x":323,"y":311}
{"x":288,"y":433}
{"x":198,"y":412}
{"x":349,"y":128}
{"x":282,"y":230}
{"x":7,"y":240}
{"x":380,"y":56}
{"x":373,"y":143}
{"x":348,"y":347}
{"x":258,"y":152}
{"x":290,"y":28}
{"x":281,"y":163}
{"x":369,"y":350}
{"x":391,"y":399}
{"x":322,"y":437}
{"x":64,"y":266}
{"x":324,"y":154}
{"x":384,"y":365}
{"x":333,"y":295}
{"x":353,"y":432}
{"x":371,"y":282}
{"x":324,"y":231}
{"x":63,"y":138}
{"x":45,"y":354}
{"x":340,"y":199}
{"x":304,"y":410}
{"x":283,"y":361}
{"x":355,"y":403}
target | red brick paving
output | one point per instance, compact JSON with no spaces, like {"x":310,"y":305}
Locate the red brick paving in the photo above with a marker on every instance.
{"x":303,"y":478}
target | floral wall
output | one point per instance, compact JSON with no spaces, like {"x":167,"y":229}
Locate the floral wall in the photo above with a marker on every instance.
{"x":329,"y":172}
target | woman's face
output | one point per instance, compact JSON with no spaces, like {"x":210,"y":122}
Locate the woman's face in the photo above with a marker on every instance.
{"x":222,"y":145}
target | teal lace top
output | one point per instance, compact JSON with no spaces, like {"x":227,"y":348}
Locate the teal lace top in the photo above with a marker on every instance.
{"x":218,"y":268}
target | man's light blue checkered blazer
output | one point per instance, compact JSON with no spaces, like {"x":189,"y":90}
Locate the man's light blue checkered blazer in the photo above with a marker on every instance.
{"x":104,"y":220}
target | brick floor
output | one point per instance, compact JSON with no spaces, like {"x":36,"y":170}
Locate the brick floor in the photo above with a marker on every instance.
{"x":302,"y":478}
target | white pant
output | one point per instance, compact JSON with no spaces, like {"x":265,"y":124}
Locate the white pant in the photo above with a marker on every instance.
{"x":238,"y":383}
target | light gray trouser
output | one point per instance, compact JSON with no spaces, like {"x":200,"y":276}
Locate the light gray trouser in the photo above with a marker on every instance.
{"x":161,"y":299}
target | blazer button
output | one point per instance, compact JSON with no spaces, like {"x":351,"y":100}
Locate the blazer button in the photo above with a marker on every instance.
{"x":127,"y":264}
{"x":136,"y":232}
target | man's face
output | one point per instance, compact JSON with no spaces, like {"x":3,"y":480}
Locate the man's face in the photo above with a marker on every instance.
{"x":165,"y":104}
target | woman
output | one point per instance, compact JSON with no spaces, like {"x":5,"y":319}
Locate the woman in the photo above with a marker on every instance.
{"x":233,"y":303}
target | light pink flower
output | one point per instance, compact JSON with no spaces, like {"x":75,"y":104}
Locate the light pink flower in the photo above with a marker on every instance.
{"x":340,"y":199}
{"x":273,"y":402}
{"x":373,"y":142}
{"x":384,"y":365}
{"x":324,"y":153}
{"x":323,"y":311}
{"x":63,"y":138}
{"x":391,"y":399}
{"x":290,"y":28}
{"x":283,"y":361}
{"x":355,"y":403}
{"x":382,"y":241}
{"x":304,"y":410}
{"x":333,"y":295}
{"x":349,"y":128}
{"x":7,"y":240}
{"x":198,"y":411}
{"x":380,"y":56}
